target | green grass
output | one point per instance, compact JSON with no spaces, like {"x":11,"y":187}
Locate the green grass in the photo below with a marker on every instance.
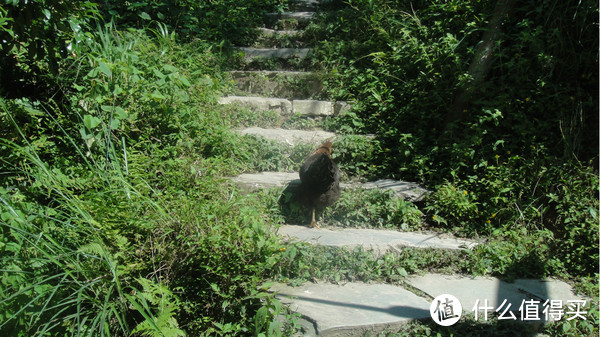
{"x":116,"y":217}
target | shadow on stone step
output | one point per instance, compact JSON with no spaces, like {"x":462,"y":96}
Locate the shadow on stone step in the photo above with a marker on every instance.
{"x":398,"y":310}
{"x":292,"y":205}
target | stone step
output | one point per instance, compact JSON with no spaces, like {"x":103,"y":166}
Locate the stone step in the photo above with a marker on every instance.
{"x":468,"y":290}
{"x":290,"y":137}
{"x":280,"y":105}
{"x":289,"y":20}
{"x":378,"y":241}
{"x":251,"y":181}
{"x":358,"y":309}
{"x":272,"y":38}
{"x":251,"y":53}
{"x":284,"y":107}
{"x":279,"y":33}
{"x":304,"y":5}
{"x":299,"y":16}
{"x":353,"y":309}
{"x":283,"y":84}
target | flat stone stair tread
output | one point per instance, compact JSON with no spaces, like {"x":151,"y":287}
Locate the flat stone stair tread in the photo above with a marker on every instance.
{"x":281,"y":105}
{"x":305,"y":107}
{"x":282,"y":84}
{"x":299,"y":16}
{"x":377,"y":240}
{"x":243,"y":73}
{"x":290,"y":137}
{"x":353,"y":309}
{"x":406,"y":190}
{"x":282,"y":53}
{"x":269,"y":31}
{"x":303,"y":6}
{"x":468,"y":290}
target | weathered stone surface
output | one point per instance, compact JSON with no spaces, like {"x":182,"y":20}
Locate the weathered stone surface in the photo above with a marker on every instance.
{"x":469,"y":290}
{"x":402,"y":189}
{"x":283,"y":106}
{"x":341,"y":107}
{"x":304,"y":5}
{"x":290,"y":137}
{"x":312,"y":107}
{"x":301,"y":17}
{"x":274,"y":38}
{"x":405,"y":190}
{"x":283,"y":84}
{"x":268,"y":31}
{"x":353,"y":309}
{"x":283,"y":53}
{"x":265,"y":179}
{"x":378,"y":240}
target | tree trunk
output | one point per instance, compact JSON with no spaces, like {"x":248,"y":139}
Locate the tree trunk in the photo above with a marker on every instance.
{"x":481,"y":64}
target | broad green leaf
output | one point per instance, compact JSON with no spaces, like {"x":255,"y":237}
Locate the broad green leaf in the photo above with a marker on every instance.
{"x":115,"y":123}
{"x":157,"y":95}
{"x":120,"y":113}
{"x":185,"y":81}
{"x":105,"y":69}
{"x":91,"y":122}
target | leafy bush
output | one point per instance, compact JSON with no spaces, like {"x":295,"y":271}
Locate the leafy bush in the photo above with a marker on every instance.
{"x":373,"y":208}
{"x":526,"y":129}
{"x":35,"y":36}
{"x":113,"y":206}
{"x":217,"y":21}
{"x":448,"y":202}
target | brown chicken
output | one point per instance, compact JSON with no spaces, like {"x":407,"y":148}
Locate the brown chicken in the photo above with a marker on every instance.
{"x":320,"y":178}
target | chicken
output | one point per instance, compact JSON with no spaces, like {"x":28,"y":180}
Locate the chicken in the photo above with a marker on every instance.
{"x":320,"y":181}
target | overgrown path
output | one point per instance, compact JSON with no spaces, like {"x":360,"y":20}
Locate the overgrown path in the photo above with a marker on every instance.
{"x":351,"y":309}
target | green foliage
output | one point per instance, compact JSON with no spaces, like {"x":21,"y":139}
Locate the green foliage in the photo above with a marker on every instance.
{"x":448,"y":202}
{"x":216,"y":21}
{"x":300,"y":263}
{"x":113,"y":203}
{"x":36,"y":35}
{"x":374,"y":208}
{"x":159,"y":296}
{"x":577,"y":327}
{"x":529,"y":129}
{"x":355,"y":154}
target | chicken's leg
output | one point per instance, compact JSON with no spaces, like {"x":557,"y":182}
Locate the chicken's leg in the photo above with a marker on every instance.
{"x":313,"y":223}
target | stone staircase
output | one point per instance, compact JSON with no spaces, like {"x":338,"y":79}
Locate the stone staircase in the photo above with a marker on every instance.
{"x":352,"y":309}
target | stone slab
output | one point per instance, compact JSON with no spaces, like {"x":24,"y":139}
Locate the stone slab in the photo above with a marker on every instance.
{"x":283,"y":84}
{"x":253,"y":181}
{"x":281,"y":105}
{"x":377,"y":240}
{"x":405,"y":190}
{"x":290,"y":137}
{"x":352,"y":309}
{"x":283,"y":53}
{"x":469,"y":290}
{"x":304,"y":5}
{"x":268,"y":31}
{"x":302,"y":17}
{"x":340,"y":107}
{"x":312,"y":107}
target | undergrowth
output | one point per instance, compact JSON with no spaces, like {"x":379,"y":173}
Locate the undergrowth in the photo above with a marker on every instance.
{"x":116,"y":217}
